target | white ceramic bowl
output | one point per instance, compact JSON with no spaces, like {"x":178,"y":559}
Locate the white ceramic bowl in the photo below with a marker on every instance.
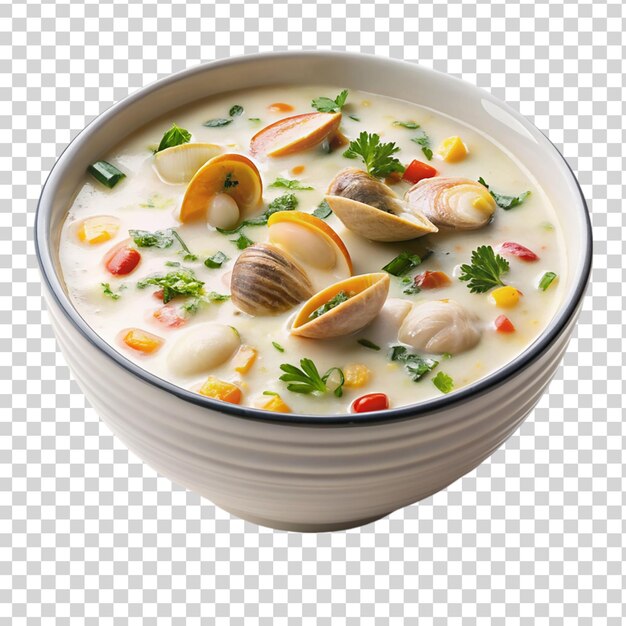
{"x":303,"y":472}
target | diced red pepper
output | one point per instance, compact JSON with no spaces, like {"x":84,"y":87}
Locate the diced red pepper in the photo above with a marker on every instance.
{"x":169,"y":316}
{"x":158,"y":294}
{"x":504,"y":325}
{"x":417,"y":171}
{"x":516,"y":249}
{"x":431,"y":280}
{"x":371,"y":402}
{"x":122,"y":259}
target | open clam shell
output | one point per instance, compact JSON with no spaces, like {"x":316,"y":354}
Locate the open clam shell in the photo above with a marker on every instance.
{"x":371,"y":209}
{"x":452,"y":203}
{"x":267,"y":281}
{"x":366,"y":295}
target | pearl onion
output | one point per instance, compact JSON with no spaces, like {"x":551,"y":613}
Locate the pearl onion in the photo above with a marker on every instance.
{"x":222,"y":211}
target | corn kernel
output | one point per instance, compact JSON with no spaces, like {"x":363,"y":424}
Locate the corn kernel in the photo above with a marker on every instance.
{"x":244,"y":359}
{"x":356,"y":375}
{"x":277,"y":405}
{"x":452,"y":149}
{"x":97,"y":229}
{"x":505,"y":297}
{"x":483,"y":204}
{"x":221,"y":390}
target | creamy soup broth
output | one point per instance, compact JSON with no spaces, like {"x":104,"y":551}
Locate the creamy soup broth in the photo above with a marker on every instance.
{"x":143,"y":201}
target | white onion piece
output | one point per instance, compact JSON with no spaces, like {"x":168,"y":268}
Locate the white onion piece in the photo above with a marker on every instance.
{"x":222,"y":211}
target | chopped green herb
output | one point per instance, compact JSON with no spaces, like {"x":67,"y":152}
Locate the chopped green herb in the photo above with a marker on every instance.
{"x":410,"y":124}
{"x":182,"y":282}
{"x":270,"y":393}
{"x":485,"y":271}
{"x":106,"y":173}
{"x":242,"y":242}
{"x":278,"y":346}
{"x":286,"y":202}
{"x":443,"y":382}
{"x":309,"y":380}
{"x":175,"y":136}
{"x":323,"y":210}
{"x":423,"y":140}
{"x":216,"y":123}
{"x":157,"y":239}
{"x":341,"y":297}
{"x":187,"y":254}
{"x":172,"y":263}
{"x":235,"y":110}
{"x":505,"y":202}
{"x":229,"y":181}
{"x":366,"y":343}
{"x":546,"y":280}
{"x":254,"y":119}
{"x":376,"y":156}
{"x":107,"y":291}
{"x":411,"y":289}
{"x":326,"y":105}
{"x":446,"y":355}
{"x":417,"y":366}
{"x":156,"y":201}
{"x":192,"y":305}
{"x":547,"y":226}
{"x":296,"y":185}
{"x":402,"y":264}
{"x":355,"y":118}
{"x":215,"y":261}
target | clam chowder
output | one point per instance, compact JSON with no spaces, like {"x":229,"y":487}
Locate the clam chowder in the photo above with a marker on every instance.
{"x":313,"y":250}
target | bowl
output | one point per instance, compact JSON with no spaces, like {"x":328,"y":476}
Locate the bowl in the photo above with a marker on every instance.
{"x":306,"y":472}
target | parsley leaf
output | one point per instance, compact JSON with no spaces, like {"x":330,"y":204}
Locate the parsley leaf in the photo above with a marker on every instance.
{"x":402,"y":264}
{"x":323,"y":210}
{"x":366,"y":343}
{"x":182,"y":282}
{"x":410,"y":125}
{"x":242,"y":242}
{"x":175,"y":136}
{"x":296,"y":185}
{"x":309,"y":380}
{"x":216,"y":260}
{"x":417,"y":366}
{"x":229,"y":181}
{"x":327,"y":105}
{"x":443,"y":382}
{"x":286,"y":202}
{"x":107,"y":291}
{"x":157,"y":239}
{"x":505,"y":202}
{"x":485,"y":271}
{"x":192,"y":305}
{"x":278,"y":346}
{"x":423,"y":140}
{"x":377,"y":156}
{"x":218,"y":122}
{"x":235,"y":110}
{"x":338,"y":299}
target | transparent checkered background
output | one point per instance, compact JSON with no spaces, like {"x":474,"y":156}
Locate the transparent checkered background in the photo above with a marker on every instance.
{"x":89,"y":535}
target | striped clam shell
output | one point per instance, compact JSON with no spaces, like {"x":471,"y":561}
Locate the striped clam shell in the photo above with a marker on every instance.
{"x":267,"y":281}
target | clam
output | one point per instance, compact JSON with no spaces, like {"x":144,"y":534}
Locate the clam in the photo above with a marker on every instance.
{"x":267,"y":281}
{"x":440,"y":326}
{"x":178,"y":164}
{"x":342,"y":308}
{"x":452,"y":203}
{"x":203,"y":348}
{"x":371,"y":209}
{"x":222,"y":191}
{"x":295,"y":134}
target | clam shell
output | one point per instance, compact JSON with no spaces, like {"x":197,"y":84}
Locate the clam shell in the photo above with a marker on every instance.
{"x":370,"y":292}
{"x":452,"y":203}
{"x":267,"y":281}
{"x":371,"y":209}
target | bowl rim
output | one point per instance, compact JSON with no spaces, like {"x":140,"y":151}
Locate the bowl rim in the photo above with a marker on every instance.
{"x":532,"y":353}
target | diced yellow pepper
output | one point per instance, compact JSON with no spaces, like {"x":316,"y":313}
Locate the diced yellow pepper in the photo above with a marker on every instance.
{"x":141,"y":340}
{"x":98,"y":229}
{"x":505,"y":297}
{"x":277,"y":405}
{"x":356,"y":375}
{"x":221,"y":390}
{"x":245,"y":358}
{"x":452,"y":149}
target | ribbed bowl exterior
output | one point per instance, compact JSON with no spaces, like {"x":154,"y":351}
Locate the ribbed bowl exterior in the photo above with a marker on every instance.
{"x":299,"y":476}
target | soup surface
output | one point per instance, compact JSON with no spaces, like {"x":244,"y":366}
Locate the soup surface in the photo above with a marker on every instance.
{"x":460,"y":280}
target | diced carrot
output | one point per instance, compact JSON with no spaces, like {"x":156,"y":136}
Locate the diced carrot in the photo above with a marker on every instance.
{"x":516,"y":249}
{"x":141,"y":340}
{"x":122,"y":259}
{"x":504,"y":325}
{"x":356,"y":375}
{"x":158,"y":294}
{"x":417,"y":171}
{"x":431,"y":280}
{"x":277,"y":405}
{"x":221,"y":390}
{"x":169,"y":316}
{"x":297,"y":170}
{"x":280,"y":107}
{"x":245,"y":358}
{"x":97,"y":229}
